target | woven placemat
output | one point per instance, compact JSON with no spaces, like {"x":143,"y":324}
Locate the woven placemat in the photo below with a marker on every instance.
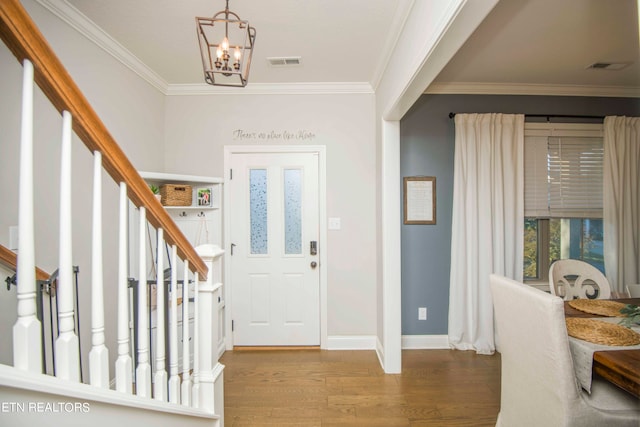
{"x":598,"y":332}
{"x":598,"y":306}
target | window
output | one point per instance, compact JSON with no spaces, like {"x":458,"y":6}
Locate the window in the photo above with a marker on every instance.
{"x":563,"y":196}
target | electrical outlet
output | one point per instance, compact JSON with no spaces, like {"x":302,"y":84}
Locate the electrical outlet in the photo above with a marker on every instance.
{"x":422,"y":313}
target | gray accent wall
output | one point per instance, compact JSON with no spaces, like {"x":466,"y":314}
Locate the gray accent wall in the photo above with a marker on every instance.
{"x":427,"y":148}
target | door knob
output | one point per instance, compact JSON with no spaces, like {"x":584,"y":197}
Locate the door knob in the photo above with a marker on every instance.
{"x":314,"y":264}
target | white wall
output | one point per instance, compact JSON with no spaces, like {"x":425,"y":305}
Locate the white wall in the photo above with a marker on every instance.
{"x":198,"y":128}
{"x":132,"y":110}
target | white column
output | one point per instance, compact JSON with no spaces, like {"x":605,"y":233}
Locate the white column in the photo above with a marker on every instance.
{"x":209,"y":370}
{"x":99,"y":354}
{"x":143,"y":370}
{"x":124,"y":378}
{"x":66,"y":346}
{"x":391,"y":257}
{"x":27,"y":336}
{"x":195,"y":390}
{"x":160,"y":376}
{"x":186,"y":356}
{"x":174,"y":380}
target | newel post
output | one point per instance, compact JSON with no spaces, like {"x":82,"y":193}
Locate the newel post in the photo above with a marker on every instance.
{"x":210,"y":371}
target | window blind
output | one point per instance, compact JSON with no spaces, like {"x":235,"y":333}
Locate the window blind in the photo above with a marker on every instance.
{"x":536,"y":187}
{"x":563,"y":166}
{"x":575,"y":177}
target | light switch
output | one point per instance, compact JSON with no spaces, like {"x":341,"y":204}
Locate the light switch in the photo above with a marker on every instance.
{"x":334,"y":224}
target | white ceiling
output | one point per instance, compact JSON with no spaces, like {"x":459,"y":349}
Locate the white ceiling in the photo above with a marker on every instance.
{"x":338,"y":40}
{"x":551,"y":42}
{"x":524,"y":42}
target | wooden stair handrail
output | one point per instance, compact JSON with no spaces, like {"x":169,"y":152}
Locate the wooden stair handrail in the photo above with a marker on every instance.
{"x":24,"y":39}
{"x":9,"y":259}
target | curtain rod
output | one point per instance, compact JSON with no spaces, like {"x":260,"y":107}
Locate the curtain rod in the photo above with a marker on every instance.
{"x":549,"y":116}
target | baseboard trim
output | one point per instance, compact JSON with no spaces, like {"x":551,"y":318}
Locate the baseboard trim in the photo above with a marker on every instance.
{"x":368,"y":342}
{"x":275,"y":348}
{"x":351,"y":342}
{"x":425,"y":342}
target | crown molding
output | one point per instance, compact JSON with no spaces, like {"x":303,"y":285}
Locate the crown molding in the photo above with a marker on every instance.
{"x":271,"y":89}
{"x":76,"y":20}
{"x":398,"y":21}
{"x":477,"y":88}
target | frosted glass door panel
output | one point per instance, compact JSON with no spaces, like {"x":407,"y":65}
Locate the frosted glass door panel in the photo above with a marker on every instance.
{"x":258,"y":211}
{"x":292,"y":211}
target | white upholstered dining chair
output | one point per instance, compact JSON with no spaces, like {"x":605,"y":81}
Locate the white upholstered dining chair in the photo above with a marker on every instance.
{"x":572,"y":278}
{"x":539,"y":387}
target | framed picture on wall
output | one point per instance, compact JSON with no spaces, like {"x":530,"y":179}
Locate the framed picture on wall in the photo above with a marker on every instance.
{"x":203,"y":197}
{"x":420,"y":200}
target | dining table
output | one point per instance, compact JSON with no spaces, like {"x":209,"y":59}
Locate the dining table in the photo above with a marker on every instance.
{"x":617,"y":365}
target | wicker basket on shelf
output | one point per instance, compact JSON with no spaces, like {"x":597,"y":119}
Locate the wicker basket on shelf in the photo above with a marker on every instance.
{"x":175,"y":195}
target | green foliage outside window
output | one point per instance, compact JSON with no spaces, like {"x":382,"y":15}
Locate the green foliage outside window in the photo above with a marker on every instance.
{"x":530,"y":248}
{"x":583,"y":240}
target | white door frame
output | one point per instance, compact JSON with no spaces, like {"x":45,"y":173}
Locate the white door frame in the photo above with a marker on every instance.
{"x":229,"y":151}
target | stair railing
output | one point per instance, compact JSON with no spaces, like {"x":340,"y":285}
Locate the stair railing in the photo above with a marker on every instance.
{"x":45,"y":284}
{"x":40,"y":65}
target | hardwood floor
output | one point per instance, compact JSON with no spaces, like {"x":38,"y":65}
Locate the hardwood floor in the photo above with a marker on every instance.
{"x":349,"y":388}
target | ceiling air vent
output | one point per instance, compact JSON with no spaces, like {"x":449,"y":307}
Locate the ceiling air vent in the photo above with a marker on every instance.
{"x":285,"y":61}
{"x":614,"y":66}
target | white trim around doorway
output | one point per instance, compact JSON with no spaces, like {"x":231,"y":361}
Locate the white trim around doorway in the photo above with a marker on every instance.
{"x":229,"y":150}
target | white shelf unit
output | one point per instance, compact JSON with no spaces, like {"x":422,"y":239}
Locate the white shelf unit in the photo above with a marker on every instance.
{"x":200,"y":225}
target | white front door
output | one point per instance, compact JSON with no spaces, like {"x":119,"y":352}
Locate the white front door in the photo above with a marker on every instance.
{"x":275,"y":243}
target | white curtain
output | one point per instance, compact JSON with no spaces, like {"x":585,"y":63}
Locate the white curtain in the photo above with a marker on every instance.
{"x":488,"y":222}
{"x":622,"y":201}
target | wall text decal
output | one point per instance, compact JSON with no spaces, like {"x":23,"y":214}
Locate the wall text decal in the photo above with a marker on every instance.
{"x":273,"y":135}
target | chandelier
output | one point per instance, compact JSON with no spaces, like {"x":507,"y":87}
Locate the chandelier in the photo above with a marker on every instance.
{"x":226,"y":46}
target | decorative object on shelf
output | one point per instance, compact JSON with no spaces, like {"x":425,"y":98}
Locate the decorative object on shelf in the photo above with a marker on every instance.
{"x":221,"y":37}
{"x":420,"y":200}
{"x":156,"y":192}
{"x":204,"y":198}
{"x":176,"y":195}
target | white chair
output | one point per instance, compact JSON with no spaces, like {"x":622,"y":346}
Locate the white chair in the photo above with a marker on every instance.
{"x":539,"y":387}
{"x":633,"y":291}
{"x":572,"y":278}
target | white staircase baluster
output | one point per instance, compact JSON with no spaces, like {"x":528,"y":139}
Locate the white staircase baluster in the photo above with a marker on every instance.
{"x":174,"y":379}
{"x":160,"y":376}
{"x":196,"y":346}
{"x":66,"y":346}
{"x":186,"y":375}
{"x":124,"y":379}
{"x":99,"y":354}
{"x":143,"y":370}
{"x":27,"y":336}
